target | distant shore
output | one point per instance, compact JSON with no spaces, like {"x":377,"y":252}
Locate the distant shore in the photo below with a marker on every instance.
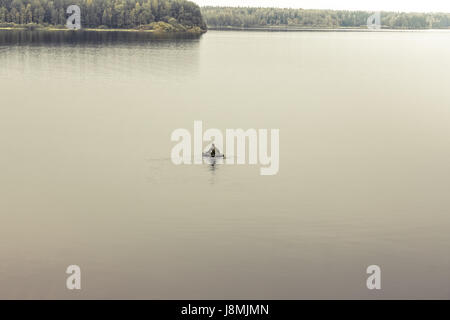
{"x":270,"y":19}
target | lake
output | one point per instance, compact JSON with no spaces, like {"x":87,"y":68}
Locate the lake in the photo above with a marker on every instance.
{"x":87,"y":179}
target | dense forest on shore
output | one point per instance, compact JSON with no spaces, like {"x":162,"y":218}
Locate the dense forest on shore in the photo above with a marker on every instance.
{"x":223,"y":17}
{"x":167,"y":15}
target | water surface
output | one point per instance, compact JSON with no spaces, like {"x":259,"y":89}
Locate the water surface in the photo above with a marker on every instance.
{"x":85,"y":124}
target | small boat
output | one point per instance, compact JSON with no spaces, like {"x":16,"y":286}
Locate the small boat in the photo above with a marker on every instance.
{"x":217,"y":156}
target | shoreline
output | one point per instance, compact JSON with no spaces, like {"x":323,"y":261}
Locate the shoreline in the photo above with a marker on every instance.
{"x":202,"y":31}
{"x":53,"y":29}
{"x":291,"y":29}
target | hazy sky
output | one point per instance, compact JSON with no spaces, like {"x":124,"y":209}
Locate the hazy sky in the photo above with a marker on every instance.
{"x":387,"y":5}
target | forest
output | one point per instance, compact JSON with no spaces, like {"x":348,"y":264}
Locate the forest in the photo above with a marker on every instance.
{"x":183,"y":15}
{"x":242,"y":17}
{"x":179,"y":15}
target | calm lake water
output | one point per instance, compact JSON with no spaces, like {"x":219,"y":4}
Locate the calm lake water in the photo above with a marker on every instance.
{"x":86,"y":176}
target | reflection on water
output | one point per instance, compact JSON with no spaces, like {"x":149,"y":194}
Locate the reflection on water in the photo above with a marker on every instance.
{"x":86,"y":176}
{"x":98,"y":57}
{"x":213,"y":165}
{"x":66,"y":37}
{"x":213,"y":162}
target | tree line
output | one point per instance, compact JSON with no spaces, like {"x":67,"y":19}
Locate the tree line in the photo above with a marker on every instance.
{"x":241,"y":17}
{"x":107,"y":13}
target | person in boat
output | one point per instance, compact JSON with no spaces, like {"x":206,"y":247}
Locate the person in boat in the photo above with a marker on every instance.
{"x":213,"y":151}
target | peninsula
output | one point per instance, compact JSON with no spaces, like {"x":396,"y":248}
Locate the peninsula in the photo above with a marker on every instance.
{"x":168,"y":16}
